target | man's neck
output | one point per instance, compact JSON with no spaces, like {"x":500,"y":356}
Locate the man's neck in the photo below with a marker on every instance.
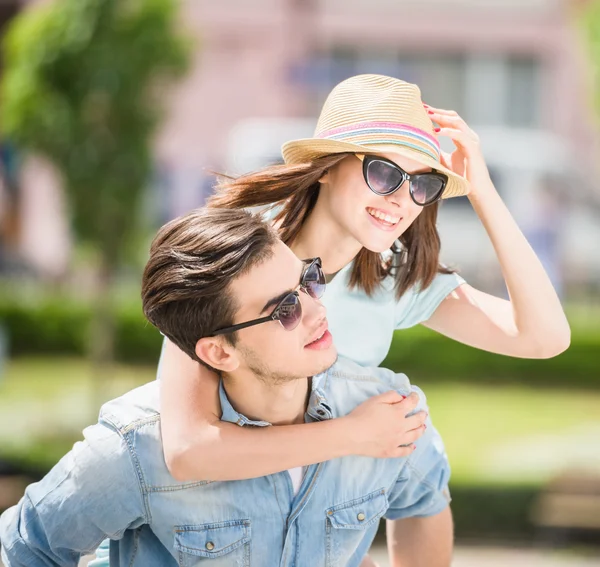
{"x":259,"y":400}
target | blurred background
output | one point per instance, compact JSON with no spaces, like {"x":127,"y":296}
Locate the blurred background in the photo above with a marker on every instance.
{"x":114,"y":117}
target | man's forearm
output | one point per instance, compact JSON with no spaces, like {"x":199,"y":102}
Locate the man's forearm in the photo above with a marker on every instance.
{"x":421,"y":542}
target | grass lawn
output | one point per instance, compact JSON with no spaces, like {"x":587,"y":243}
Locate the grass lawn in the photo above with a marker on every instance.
{"x":493,"y":434}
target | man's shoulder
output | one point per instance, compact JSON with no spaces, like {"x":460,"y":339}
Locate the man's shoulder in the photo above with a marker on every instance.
{"x":362,"y":382}
{"x":133,"y":409}
{"x":350,"y":370}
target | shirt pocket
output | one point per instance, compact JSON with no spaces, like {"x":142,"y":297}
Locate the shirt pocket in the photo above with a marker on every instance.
{"x":224,"y":544}
{"x":348,"y":523}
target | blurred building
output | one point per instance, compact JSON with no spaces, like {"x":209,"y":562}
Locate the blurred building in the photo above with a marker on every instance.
{"x":515,"y":69}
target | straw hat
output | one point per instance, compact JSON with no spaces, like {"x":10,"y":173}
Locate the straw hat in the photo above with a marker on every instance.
{"x":371,"y":114}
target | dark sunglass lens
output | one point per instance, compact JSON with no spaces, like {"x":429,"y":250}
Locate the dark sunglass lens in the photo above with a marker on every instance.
{"x":314,"y":281}
{"x":382,"y":177}
{"x":426,"y":188}
{"x":289,"y":312}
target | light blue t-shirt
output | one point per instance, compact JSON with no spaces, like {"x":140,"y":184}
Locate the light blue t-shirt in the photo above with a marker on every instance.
{"x":363,"y":326}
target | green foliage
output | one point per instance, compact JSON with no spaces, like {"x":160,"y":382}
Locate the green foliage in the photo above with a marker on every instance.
{"x":58,"y":325}
{"x":490,"y":513}
{"x":79,"y":89}
{"x":590,"y":21}
{"x":428,"y":357}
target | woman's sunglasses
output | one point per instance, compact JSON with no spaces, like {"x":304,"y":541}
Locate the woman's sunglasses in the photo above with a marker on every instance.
{"x":384,"y":177}
{"x":289,"y":310}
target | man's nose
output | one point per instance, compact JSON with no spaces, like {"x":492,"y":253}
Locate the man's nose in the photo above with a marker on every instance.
{"x":313,"y":309}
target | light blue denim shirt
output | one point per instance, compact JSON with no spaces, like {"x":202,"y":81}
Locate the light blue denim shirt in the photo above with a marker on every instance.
{"x":115,"y":484}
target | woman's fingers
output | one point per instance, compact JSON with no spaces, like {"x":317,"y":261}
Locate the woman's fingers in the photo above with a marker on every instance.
{"x":415,"y":421}
{"x":460,"y":137}
{"x":449,"y":118}
{"x":432,"y":109}
{"x":455,"y":122}
{"x":413,"y":435}
{"x":402,"y":452}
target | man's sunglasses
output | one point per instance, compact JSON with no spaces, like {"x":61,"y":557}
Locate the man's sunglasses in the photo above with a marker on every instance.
{"x":289,"y":310}
{"x":384,"y":177}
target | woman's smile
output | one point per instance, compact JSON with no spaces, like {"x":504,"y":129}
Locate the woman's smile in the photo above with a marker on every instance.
{"x":383,"y":220}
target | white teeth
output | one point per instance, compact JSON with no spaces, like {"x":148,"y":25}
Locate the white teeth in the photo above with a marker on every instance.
{"x":382,"y":216}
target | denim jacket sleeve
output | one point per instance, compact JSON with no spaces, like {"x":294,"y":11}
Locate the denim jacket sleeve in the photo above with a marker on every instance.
{"x":94,"y":492}
{"x":421,"y":489}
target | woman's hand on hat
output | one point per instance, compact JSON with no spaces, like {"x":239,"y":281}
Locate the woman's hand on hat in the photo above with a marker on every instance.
{"x":467,"y":160}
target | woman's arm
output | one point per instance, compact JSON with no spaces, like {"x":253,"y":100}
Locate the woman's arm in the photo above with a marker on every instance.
{"x":532,"y":324}
{"x":198,"y":446}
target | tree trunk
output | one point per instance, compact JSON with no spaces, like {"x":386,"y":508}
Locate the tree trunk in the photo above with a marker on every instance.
{"x":102,"y":334}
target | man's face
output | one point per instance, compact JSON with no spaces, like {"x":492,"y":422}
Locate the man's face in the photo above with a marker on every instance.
{"x":268,"y":350}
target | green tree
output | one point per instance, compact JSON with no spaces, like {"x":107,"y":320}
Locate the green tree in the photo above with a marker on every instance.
{"x":590,"y":19}
{"x":82,"y":87}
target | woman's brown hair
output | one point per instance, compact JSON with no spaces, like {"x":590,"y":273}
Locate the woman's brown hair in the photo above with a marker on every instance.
{"x":295,"y":188}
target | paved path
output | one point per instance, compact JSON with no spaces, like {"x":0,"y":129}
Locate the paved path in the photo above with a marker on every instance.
{"x":499,"y":557}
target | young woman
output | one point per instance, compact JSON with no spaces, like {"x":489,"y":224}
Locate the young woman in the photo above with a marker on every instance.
{"x":363,"y":195}
{"x":348,"y":196}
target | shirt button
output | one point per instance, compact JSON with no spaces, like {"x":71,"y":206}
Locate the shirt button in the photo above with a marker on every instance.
{"x":320,"y":412}
{"x":360,"y":517}
{"x":210,"y":546}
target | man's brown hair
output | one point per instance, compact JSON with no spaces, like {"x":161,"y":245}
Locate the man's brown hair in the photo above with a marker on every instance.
{"x":193,"y":259}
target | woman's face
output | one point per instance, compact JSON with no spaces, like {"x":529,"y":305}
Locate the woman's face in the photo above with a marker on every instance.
{"x":374,"y":221}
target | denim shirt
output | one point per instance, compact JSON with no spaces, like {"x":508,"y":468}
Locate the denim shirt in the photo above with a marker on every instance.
{"x":115,"y":484}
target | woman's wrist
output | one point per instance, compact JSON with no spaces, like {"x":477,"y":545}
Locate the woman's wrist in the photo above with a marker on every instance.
{"x":342,"y":439}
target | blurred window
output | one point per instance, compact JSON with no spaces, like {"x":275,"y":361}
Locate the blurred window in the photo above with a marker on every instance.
{"x":524,"y":92}
{"x":500,"y":89}
{"x":441,"y":78}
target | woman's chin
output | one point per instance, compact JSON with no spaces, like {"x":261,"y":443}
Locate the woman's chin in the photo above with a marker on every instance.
{"x":377,"y":246}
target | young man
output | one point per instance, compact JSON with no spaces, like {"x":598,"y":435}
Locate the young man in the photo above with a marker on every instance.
{"x":231,"y":295}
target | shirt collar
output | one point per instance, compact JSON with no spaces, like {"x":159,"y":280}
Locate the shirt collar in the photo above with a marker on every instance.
{"x":318,"y":408}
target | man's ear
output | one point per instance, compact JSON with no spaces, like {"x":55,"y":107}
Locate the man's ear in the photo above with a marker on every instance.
{"x":218,"y":353}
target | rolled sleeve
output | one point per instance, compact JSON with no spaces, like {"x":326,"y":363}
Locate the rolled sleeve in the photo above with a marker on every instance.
{"x":421,"y":489}
{"x":416,"y":306}
{"x":94,"y":492}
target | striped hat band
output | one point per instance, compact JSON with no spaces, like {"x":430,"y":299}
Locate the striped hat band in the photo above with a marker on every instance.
{"x":384,"y":133}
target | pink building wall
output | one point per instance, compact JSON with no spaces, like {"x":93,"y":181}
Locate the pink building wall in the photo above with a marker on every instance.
{"x":247,"y":49}
{"x":246,"y":53}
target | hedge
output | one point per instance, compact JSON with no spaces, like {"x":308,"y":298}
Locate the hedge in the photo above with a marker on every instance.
{"x":433,"y":357}
{"x":59,"y":326}
{"x":54,"y":325}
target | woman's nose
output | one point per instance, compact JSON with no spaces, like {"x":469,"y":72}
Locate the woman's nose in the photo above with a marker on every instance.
{"x":401,"y":197}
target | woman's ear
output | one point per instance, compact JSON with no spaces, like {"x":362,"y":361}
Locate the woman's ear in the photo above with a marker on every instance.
{"x":217,"y":353}
{"x":325,"y":177}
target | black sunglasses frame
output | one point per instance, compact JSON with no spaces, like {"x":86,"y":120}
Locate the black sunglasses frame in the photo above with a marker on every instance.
{"x":274,"y":316}
{"x":368,"y":159}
